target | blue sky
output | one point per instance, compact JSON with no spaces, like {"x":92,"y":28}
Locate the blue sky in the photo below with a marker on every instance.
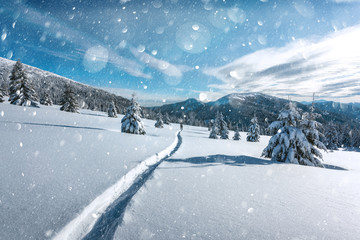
{"x":169,"y":50}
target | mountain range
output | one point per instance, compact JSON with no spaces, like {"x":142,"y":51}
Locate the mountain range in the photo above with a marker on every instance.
{"x":238,"y":108}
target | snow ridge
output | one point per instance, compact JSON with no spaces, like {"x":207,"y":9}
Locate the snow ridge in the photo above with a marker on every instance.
{"x":83,"y":224}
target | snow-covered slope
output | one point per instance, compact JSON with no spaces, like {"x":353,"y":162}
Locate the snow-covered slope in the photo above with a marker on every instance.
{"x":221,"y":189}
{"x":53,"y":164}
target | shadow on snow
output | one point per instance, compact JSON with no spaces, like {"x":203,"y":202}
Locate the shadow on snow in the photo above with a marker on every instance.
{"x":241,"y":160}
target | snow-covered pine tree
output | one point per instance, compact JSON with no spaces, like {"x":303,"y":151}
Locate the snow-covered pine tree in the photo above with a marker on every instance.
{"x":213,"y":132}
{"x":46,"y":100}
{"x":290,"y":144}
{"x":253,"y":134}
{"x":167,"y":120}
{"x":223,"y":129}
{"x":1,"y":95}
{"x":112,"y":110}
{"x":68,"y":102}
{"x":310,"y":128}
{"x":217,"y":123}
{"x":159,"y":120}
{"x":21,"y":90}
{"x":131,"y":122}
{"x":332,"y":137}
{"x":237,"y":133}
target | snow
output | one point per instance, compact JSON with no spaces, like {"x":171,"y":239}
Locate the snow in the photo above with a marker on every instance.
{"x":54,"y":164}
{"x":216,"y":189}
{"x":61,"y":172}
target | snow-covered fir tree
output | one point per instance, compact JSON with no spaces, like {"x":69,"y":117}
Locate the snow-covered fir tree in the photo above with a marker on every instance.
{"x":167,"y":119}
{"x":213,"y":132}
{"x":1,"y":95}
{"x":112,"y":110}
{"x":68,"y":102}
{"x":290,"y":144}
{"x":46,"y":100}
{"x":159,"y":120}
{"x":310,"y":128}
{"x":21,"y":90}
{"x":253,"y":134}
{"x":217,"y":123}
{"x":332,"y":137}
{"x":222,"y":127}
{"x":237,"y":133}
{"x":131,"y":122}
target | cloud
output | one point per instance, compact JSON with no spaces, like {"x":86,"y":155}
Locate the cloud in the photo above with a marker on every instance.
{"x":329,"y":66}
{"x":158,"y":64}
{"x":346,"y":1}
{"x":62,"y":31}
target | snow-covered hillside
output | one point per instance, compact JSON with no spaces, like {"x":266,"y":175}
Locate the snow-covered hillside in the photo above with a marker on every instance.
{"x":55,"y":163}
{"x":76,"y":176}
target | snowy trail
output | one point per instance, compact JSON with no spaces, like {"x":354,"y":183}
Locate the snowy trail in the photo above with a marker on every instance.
{"x":100,"y":218}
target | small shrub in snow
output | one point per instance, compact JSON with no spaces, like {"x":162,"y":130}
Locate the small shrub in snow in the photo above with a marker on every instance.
{"x":21,"y":90}
{"x":253,"y":134}
{"x":68,"y":102}
{"x":131,"y":122}
{"x":112,"y":110}
{"x":159,"y":120}
{"x":237,"y":134}
{"x":222,"y":127}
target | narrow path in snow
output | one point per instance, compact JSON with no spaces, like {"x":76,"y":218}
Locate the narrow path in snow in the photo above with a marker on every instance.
{"x":101,"y":217}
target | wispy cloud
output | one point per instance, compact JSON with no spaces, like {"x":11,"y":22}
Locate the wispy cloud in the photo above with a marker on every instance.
{"x":160,"y":65}
{"x":57,"y":28}
{"x":329,"y":66}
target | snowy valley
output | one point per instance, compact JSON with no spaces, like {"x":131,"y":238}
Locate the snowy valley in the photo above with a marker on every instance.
{"x":61,"y":172}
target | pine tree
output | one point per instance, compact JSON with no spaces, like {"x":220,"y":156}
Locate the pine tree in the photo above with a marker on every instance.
{"x":223,"y":129}
{"x":217,"y":123}
{"x":131,"y":122}
{"x":1,"y":95}
{"x":46,"y":100}
{"x":68,"y":102}
{"x":159,"y":121}
{"x":290,"y":144}
{"x":21,"y":90}
{"x":237,"y":133}
{"x":112,"y":110}
{"x":310,"y":128}
{"x":167,"y":119}
{"x":253,"y":134}
{"x":213,"y":132}
{"x":332,"y":137}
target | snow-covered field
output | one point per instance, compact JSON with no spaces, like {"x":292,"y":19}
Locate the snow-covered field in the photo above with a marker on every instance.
{"x":55,"y":163}
{"x":216,"y":189}
{"x":58,"y":168}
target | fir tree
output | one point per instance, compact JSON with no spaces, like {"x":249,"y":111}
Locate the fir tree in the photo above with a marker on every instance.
{"x":213,"y":132}
{"x":131,"y":122}
{"x":68,"y":102}
{"x":1,"y":95}
{"x":223,"y":129}
{"x":332,"y":137}
{"x":290,"y":144}
{"x":237,"y":133}
{"x":46,"y":100}
{"x":21,"y":90}
{"x":310,"y":128}
{"x":167,"y":119}
{"x":253,"y":134}
{"x":112,"y":110}
{"x":159,"y":121}
{"x":217,"y":123}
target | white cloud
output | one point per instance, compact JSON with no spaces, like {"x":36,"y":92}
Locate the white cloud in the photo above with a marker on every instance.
{"x":329,"y":66}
